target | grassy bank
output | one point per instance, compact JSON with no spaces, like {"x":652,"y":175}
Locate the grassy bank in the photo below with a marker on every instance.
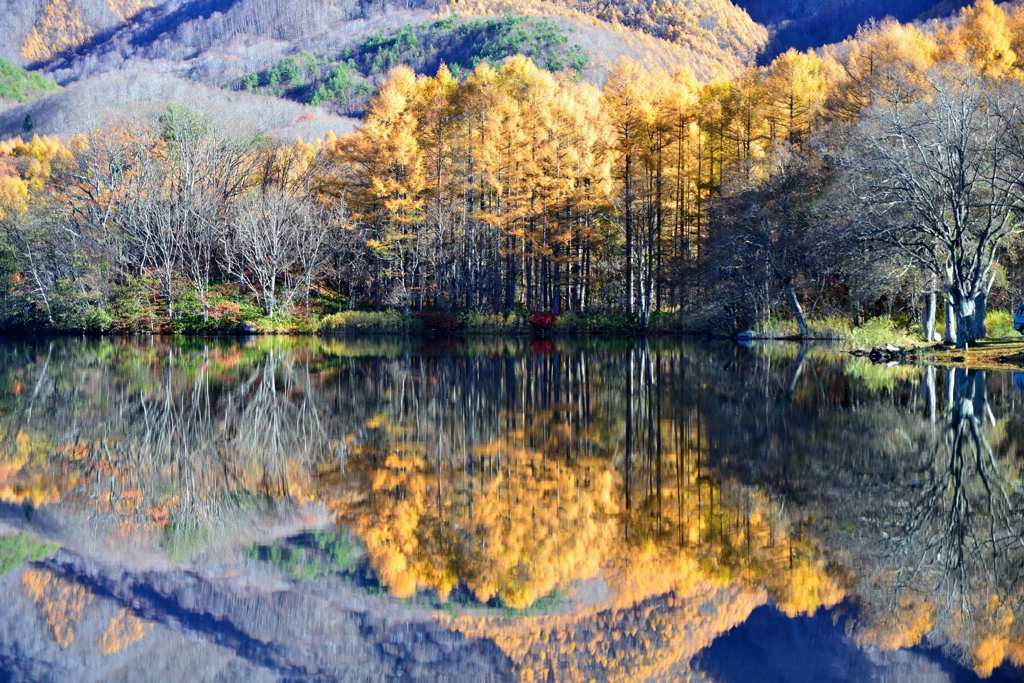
{"x":873,"y":332}
{"x":518,"y":322}
{"x":1003,"y":353}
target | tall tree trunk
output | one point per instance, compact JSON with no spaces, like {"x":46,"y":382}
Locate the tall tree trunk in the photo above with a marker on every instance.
{"x":629,"y":235}
{"x":980,"y":302}
{"x":965,"y":311}
{"x":949,"y":334}
{"x":928,"y":315}
{"x":798,"y":311}
{"x":376,"y":283}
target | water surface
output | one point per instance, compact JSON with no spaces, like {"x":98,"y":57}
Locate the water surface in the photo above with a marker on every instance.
{"x":379,"y":509}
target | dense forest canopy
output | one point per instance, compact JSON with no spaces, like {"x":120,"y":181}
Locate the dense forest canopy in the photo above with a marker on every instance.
{"x":864,"y":176}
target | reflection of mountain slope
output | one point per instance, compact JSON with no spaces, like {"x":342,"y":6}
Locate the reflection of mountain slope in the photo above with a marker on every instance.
{"x":29,"y":650}
{"x":249,"y":626}
{"x":236,"y":626}
{"x":772,"y":648}
{"x":650,"y":640}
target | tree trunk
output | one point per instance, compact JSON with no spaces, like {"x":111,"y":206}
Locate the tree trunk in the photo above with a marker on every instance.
{"x":964,"y":322}
{"x":629,"y":236}
{"x":949,"y":334}
{"x":798,"y":312}
{"x":980,"y":303}
{"x":928,"y":315}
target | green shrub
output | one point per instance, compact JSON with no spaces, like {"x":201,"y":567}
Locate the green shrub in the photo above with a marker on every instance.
{"x":132,"y":308}
{"x":999,"y":323}
{"x":479,"y":322}
{"x":75,"y":308}
{"x":665,"y":321}
{"x":369,"y":322}
{"x":879,"y":332}
{"x":615,"y":323}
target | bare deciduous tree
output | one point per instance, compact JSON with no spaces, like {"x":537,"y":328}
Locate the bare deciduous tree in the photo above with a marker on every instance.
{"x":937,"y":180}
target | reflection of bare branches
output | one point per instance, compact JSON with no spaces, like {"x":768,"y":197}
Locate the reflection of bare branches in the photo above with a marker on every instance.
{"x":180,"y":442}
{"x":276,"y":424}
{"x":962,"y":540}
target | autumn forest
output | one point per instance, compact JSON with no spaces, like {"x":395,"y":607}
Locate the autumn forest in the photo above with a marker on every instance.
{"x":822,"y":185}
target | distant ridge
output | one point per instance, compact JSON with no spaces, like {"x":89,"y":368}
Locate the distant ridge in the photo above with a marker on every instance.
{"x":803,"y":25}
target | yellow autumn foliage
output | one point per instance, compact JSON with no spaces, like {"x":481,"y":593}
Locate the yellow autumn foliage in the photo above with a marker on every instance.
{"x":126,"y":9}
{"x":58,"y":28}
{"x":983,"y":38}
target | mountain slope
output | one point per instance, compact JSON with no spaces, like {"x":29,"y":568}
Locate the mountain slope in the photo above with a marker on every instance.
{"x":134,"y":96}
{"x":73,"y":39}
{"x":126,"y":59}
{"x":802,"y":25}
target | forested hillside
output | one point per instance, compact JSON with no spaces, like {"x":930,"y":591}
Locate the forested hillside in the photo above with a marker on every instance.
{"x":135,"y":54}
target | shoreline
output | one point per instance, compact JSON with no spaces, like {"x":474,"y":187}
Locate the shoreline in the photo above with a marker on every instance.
{"x":1002,"y":353}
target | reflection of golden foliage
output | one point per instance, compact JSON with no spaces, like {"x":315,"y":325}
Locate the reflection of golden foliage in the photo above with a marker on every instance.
{"x":58,"y":28}
{"x":987,"y":635}
{"x":807,"y":587}
{"x":23,"y":471}
{"x":537,"y":528}
{"x":901,"y":628}
{"x":390,"y":532}
{"x":530,"y":529}
{"x":993,"y":638}
{"x":638,"y":573}
{"x":60,"y":602}
{"x":124,"y":630}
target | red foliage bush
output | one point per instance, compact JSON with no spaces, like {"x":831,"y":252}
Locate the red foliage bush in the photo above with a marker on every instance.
{"x":543,"y":321}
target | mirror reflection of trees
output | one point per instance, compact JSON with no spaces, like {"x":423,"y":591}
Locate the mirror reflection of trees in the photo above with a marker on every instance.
{"x":951,"y":567}
{"x":564,"y":488}
{"x":163,"y":440}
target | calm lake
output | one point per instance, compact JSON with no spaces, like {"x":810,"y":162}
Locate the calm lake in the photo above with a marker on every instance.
{"x":308,"y":509}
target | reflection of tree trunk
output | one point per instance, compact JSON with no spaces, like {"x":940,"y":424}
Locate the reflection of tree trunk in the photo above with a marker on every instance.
{"x":961,"y":541}
{"x":928,"y":388}
{"x":949,"y":388}
{"x":629,"y":431}
{"x":798,"y":367}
